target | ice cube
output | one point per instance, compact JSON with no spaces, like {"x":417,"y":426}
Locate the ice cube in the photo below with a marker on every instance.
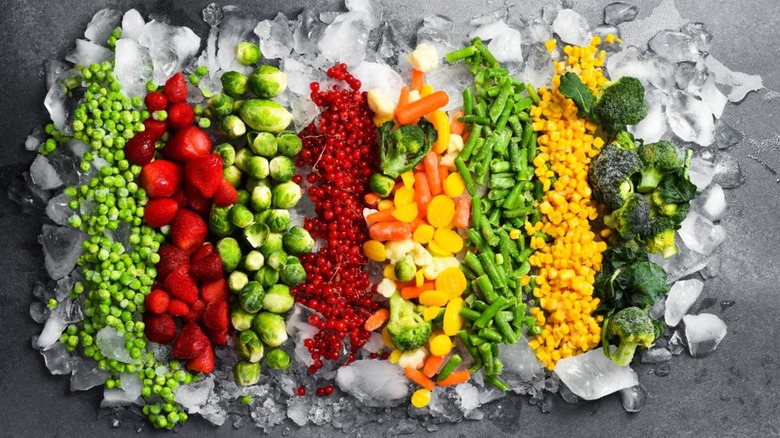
{"x":567,"y":395}
{"x":214,"y":414}
{"x":619,"y":12}
{"x":58,"y":210}
{"x":170,"y":47}
{"x":452,"y":78}
{"x":134,"y":67}
{"x":304,"y":111}
{"x":86,"y":375}
{"x":676,"y":343}
{"x":701,"y":172}
{"x":520,"y":364}
{"x":712,"y":203}
{"x":57,"y":358}
{"x":131,"y":385}
{"x":602,"y":31}
{"x":539,"y":30}
{"x":572,"y":28}
{"x":711,"y":95}
{"x":741,"y":83}
{"x":299,"y":330}
{"x":505,"y":42}
{"x":23,"y":192}
{"x":633,"y":398}
{"x":700,"y":34}
{"x":61,"y":249}
{"x":703,"y":333}
{"x":727,"y":171}
{"x":468,"y":398}
{"x":656,"y":355}
{"x":113,"y":397}
{"x":656,"y":311}
{"x":375,"y":75}
{"x":59,"y":100}
{"x":55,"y":325}
{"x":674,"y":46}
{"x":54,"y":70}
{"x":438,"y":30}
{"x":193,"y":395}
{"x":489,"y":17}
{"x":345,"y":40}
{"x":87,"y":53}
{"x":681,"y":297}
{"x":539,"y":68}
{"x":132,"y":25}
{"x":234,"y":27}
{"x":653,"y":127}
{"x":682,"y":264}
{"x":700,"y":234}
{"x":550,"y":12}
{"x":112,"y":345}
{"x":374,"y":343}
{"x":307,"y":31}
{"x":371,"y":8}
{"x":592,"y":375}
{"x":43,"y":174}
{"x":276,"y":37}
{"x":39,"y":312}
{"x":300,"y":75}
{"x":298,"y":410}
{"x":725,"y":135}
{"x":648,"y":68}
{"x":374,"y":383}
{"x":691,"y":119}
{"x":103,"y":23}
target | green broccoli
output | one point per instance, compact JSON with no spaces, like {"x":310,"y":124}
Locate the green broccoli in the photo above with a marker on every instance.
{"x":628,"y":278}
{"x":661,"y":239}
{"x":673,"y":210}
{"x":618,"y":104}
{"x":610,"y":175}
{"x":403,"y":148}
{"x":624,"y":140}
{"x":632,"y":219}
{"x":407,"y":328}
{"x":634,"y":328}
{"x":658,"y":159}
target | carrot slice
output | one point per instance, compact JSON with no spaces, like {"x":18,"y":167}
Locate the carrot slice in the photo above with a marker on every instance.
{"x":384,"y":231}
{"x":412,"y":111}
{"x":403,"y":98}
{"x":462,"y":213}
{"x":376,"y":320}
{"x":410,"y":292}
{"x":457,"y":127}
{"x":432,"y":365}
{"x":381,"y":216}
{"x":422,"y":192}
{"x":418,"y":79}
{"x":432,"y":172}
{"x":457,"y":377}
{"x":371,"y":198}
{"x":420,"y":379}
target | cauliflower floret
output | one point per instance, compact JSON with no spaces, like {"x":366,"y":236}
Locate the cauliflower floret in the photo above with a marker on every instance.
{"x":420,"y":255}
{"x":455,"y":145}
{"x":386,"y":287}
{"x":413,"y":358}
{"x":414,"y":96}
{"x":449,"y":160}
{"x":382,"y":106}
{"x":396,"y":250}
{"x":424,"y":58}
{"x":438,"y":265}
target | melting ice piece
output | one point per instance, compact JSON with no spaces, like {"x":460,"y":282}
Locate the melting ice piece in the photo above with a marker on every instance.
{"x":727,"y":171}
{"x":276,"y":38}
{"x":307,"y":31}
{"x":132,"y":25}
{"x":374,"y":383}
{"x":304,"y":111}
{"x":741,"y":83}
{"x":345,"y":40}
{"x":54,"y":70}
{"x":86,"y":53}
{"x":520,"y":364}
{"x":58,"y":210}
{"x":61,"y":249}
{"x":438,"y":30}
{"x":681,"y":297}
{"x":633,"y":398}
{"x":43,"y":174}
{"x":703,"y":333}
{"x":299,"y":76}
{"x":453,"y":79}
{"x":392,"y":46}
{"x":375,"y":75}
{"x":701,"y":172}
{"x":170,"y":47}
{"x":505,"y":42}
{"x":133,"y":67}
{"x":711,"y":95}
{"x":58,"y":359}
{"x":653,"y":127}
{"x":725,"y":135}
{"x":371,"y":8}
{"x":112,"y":345}
{"x":619,"y":12}
{"x":674,"y":46}
{"x":193,"y":395}
{"x":712,"y":203}
{"x":647,"y":67}
{"x":592,"y":375}
{"x":682,"y":264}
{"x":691,"y":119}
{"x":468,"y":396}
{"x":656,"y":355}
{"x":700,"y":234}
{"x":58,"y":100}
{"x":103,"y":23}
{"x":234,"y":26}
{"x":298,"y":410}
{"x":539,"y":68}
{"x":572,"y":28}
{"x":86,"y":375}
{"x":299,"y":330}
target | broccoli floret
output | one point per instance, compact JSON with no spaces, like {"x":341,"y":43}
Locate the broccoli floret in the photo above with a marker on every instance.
{"x":624,"y":140}
{"x":610,"y":175}
{"x":634,"y":328}
{"x":676,"y":211}
{"x":632,"y":219}
{"x":403,"y":148}
{"x":661,"y":239}
{"x":407,"y":328}
{"x":619,"y":103}
{"x":658,"y":159}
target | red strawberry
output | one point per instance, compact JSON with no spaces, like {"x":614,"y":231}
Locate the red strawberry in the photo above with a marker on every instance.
{"x":181,"y":285}
{"x":159,"y":328}
{"x":178,"y":308}
{"x":180,"y":114}
{"x":197,"y":202}
{"x":188,"y":230}
{"x":203,"y":363}
{"x":171,"y":258}
{"x":226,"y":194}
{"x":190,"y":342}
{"x":156,"y":128}
{"x":196,"y":311}
{"x":175,"y":88}
{"x":216,"y":316}
{"x":208,"y":268}
{"x":157,"y":301}
{"x":161,"y":178}
{"x":217,"y":337}
{"x":203,"y":251}
{"x":140,"y":149}
{"x":205,"y":173}
{"x":155,"y":101}
{"x":186,"y":143}
{"x":179,"y":197}
{"x":212,"y":291}
{"x":159,"y":212}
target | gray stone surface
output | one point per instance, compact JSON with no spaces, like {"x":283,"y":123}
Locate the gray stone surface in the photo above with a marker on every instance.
{"x":733,"y":392}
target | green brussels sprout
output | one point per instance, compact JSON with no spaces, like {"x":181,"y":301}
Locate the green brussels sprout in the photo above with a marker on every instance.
{"x":278,"y":299}
{"x":293,"y":260}
{"x":240,"y":216}
{"x":298,"y":241}
{"x":292,"y":274}
{"x":251,"y":297}
{"x":219,"y":221}
{"x":381,"y":184}
{"x":233,"y":175}
{"x":236,"y":281}
{"x":247,"y":53}
{"x":263,"y":143}
{"x":278,"y":220}
{"x":221,"y":104}
{"x":271,"y":328}
{"x":240,"y":318}
{"x":265,"y":115}
{"x":256,"y":234}
{"x":277,"y":260}
{"x":227,"y":153}
{"x":281,"y":168}
{"x":254,"y":261}
{"x":262,"y":217}
{"x":405,"y":269}
{"x":242,"y":159}
{"x":228,"y":249}
{"x":261,"y":198}
{"x":267,"y":81}
{"x":272,"y":244}
{"x":258,"y":167}
{"x":289,"y":144}
{"x":267,"y":276}
{"x":234,"y":83}
{"x":249,"y":346}
{"x":242,"y":197}
{"x":278,"y":359}
{"x":286,"y":195}
{"x":252,"y":182}
{"x":247,"y":373}
{"x":232,"y":126}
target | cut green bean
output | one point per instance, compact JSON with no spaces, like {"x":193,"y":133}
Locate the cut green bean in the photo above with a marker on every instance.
{"x":490,"y":312}
{"x":473,"y":262}
{"x":490,"y":335}
{"x":475,"y":119}
{"x":449,"y":367}
{"x":471,"y":143}
{"x":492,"y":270}
{"x":466,"y":175}
{"x":487,"y":358}
{"x":507,"y":334}
{"x":486,"y":287}
{"x":496,"y":381}
{"x":469,"y":314}
{"x":459,"y":54}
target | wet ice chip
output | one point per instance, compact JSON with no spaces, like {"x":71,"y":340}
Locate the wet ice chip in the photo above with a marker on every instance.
{"x":116,"y":397}
{"x":592,"y":375}
{"x":307,"y":30}
{"x":674,"y":46}
{"x":633,"y":398}
{"x":681,"y":297}
{"x":193,"y":395}
{"x":682,"y":264}
{"x":131,"y":385}
{"x":452,"y":79}
{"x":112,"y":345}
{"x":539,"y":30}
{"x":170,"y":47}
{"x":655,"y":355}
{"x":214,"y":414}
{"x":304,"y":111}
{"x":58,"y":359}
{"x":725,"y":135}
{"x":86,"y":53}
{"x":468,"y":398}
{"x":132,"y":25}
{"x":691,"y":119}
{"x":656,"y":311}
{"x":712,"y":203}
{"x":43,"y":174}
{"x":676,"y":343}
{"x":58,"y":100}
{"x":374,"y":343}
{"x":647,"y":67}
{"x":61,"y":249}
{"x":374,"y":383}
{"x":653,"y":127}
{"x":234,"y":27}
{"x":727,"y":171}
{"x":700,"y":234}
{"x":371,"y":8}
{"x":133,"y":67}
{"x":437,"y":30}
{"x":345,"y":40}
{"x":300,"y":75}
{"x":572,"y":28}
{"x":698,"y":31}
{"x":276,"y":37}
{"x":375,"y":75}
{"x":539,"y":68}
{"x":53,"y":328}
{"x":619,"y":12}
{"x":505,"y":43}
{"x":392,"y":46}
{"x":54,"y":70}
{"x":567,"y":395}
{"x":299,"y":330}
{"x":520,"y":364}
{"x":741,"y":83}
{"x":298,"y":411}
{"x":489,"y":17}
{"x":58,"y":210}
{"x":86,"y":375}
{"x":103,"y":23}
{"x":703,"y":333}
{"x":39,"y":312}
{"x":712,"y":96}
{"x":701,"y":172}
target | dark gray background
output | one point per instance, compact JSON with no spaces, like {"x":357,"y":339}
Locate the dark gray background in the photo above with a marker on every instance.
{"x":734,"y":392}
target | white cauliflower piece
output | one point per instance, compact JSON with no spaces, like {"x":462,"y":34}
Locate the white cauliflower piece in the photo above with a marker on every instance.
{"x":396,"y":250}
{"x":386,"y":287}
{"x":424,"y":58}
{"x":438,"y":265}
{"x":382,"y":106}
{"x":414,"y":96}
{"x":413,"y":358}
{"x":449,"y":160}
{"x":420,"y":255}
{"x":455,"y":145}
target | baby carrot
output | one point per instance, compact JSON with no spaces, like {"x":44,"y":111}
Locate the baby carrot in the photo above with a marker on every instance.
{"x":418,"y":79}
{"x":412,"y":111}
{"x":420,"y":379}
{"x":443,"y":173}
{"x":403,"y":98}
{"x":410,"y":292}
{"x":432,"y":365}
{"x":455,"y":378}
{"x":380,"y":216}
{"x":371,"y":198}
{"x":376,"y":320}
{"x":457,"y":127}
{"x":432,"y":172}
{"x":422,"y":192}
{"x":384,"y":231}
{"x":462,"y":213}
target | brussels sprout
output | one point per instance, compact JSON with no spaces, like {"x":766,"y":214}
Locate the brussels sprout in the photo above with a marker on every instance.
{"x":219,"y":221}
{"x":272,"y":244}
{"x":278,"y":299}
{"x":292,"y":260}
{"x":267,"y":276}
{"x":247,"y":373}
{"x":262,"y":217}
{"x":277,"y":260}
{"x":381,"y":184}
{"x":278,"y":360}
{"x":233,"y":175}
{"x":289,"y":143}
{"x":281,"y":168}
{"x":278,"y":220}
{"x":227,"y":153}
{"x":263,"y":143}
{"x":261,"y":198}
{"x":292,"y":274}
{"x":267,"y":81}
{"x":271,"y":328}
{"x":258,"y":167}
{"x":405,"y":269}
{"x":249,"y":346}
{"x":247,"y":53}
{"x":252,"y":182}
{"x":256,"y":234}
{"x":286,"y":195}
{"x":234,"y":83}
{"x":232,"y":126}
{"x":253,"y":261}
{"x":240,"y":318}
{"x":236,"y":281}
{"x":228,"y":249}
{"x":242,"y":159}
{"x":265,"y":115}
{"x":242,"y":197}
{"x":251,"y":297}
{"x":240,"y":216}
{"x":298,"y":241}
{"x":221,"y":104}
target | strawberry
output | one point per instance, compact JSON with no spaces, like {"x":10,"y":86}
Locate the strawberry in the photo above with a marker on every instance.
{"x":181,"y":285}
{"x":196,"y":311}
{"x":197,"y":202}
{"x":180,"y":114}
{"x":212,"y":291}
{"x":217,"y":337}
{"x":205,"y":173}
{"x":204,"y":363}
{"x":161,"y":178}
{"x":186,"y":143}
{"x":216,"y":316}
{"x":157,"y":301}
{"x":171,"y":258}
{"x":226,"y":194}
{"x":201,"y":252}
{"x":140,"y":148}
{"x":159,"y":328}
{"x":159,"y":212}
{"x":155,"y":101}
{"x":178,"y":308}
{"x":208,"y":268}
{"x":156,"y":128}
{"x":179,"y":197}
{"x":190,"y":342}
{"x":175,"y":88}
{"x":188,"y":230}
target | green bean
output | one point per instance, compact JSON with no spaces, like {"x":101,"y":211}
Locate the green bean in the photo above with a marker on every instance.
{"x":464,"y":338}
{"x":468,"y":101}
{"x":469,"y":314}
{"x":459,"y":54}
{"x":487,"y":358}
{"x":503,"y":118}
{"x":490,"y":312}
{"x":513,"y":199}
{"x":519,"y":315}
{"x":498,"y":181}
{"x":498,"y":195}
{"x":523,"y":104}
{"x":486,"y":287}
{"x":532,"y":93}
{"x":487,"y":58}
{"x":475,"y":119}
{"x":500,"y":166}
{"x":518,"y":212}
{"x":501,"y":101}
{"x":496,"y":381}
{"x":507,"y":334}
{"x":449,"y":367}
{"x":492,"y":270}
{"x":471,"y":143}
{"x":487,"y":233}
{"x":490,"y":335}
{"x":466,"y":175}
{"x":473,"y":262}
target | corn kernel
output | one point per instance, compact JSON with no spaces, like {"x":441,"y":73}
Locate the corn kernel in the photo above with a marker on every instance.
{"x":421,"y":398}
